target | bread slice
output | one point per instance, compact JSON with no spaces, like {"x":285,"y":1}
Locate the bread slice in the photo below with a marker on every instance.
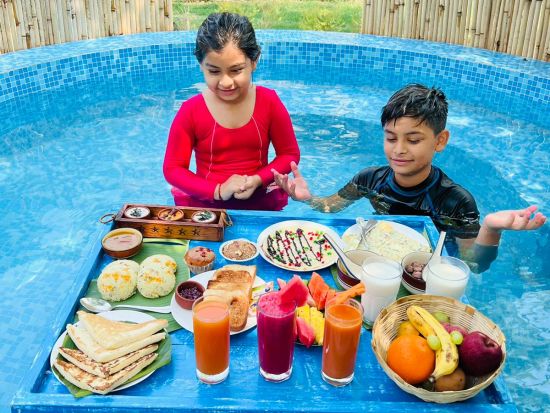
{"x":86,"y":363}
{"x":100,"y":385}
{"x":236,"y":273}
{"x":85,"y":343}
{"x":238,"y":304}
{"x":114,"y":334}
{"x":244,"y":287}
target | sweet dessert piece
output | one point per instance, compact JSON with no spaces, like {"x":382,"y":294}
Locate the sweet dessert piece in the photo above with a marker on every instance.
{"x":200,"y":259}
{"x":203,"y":216}
{"x":233,"y":284}
{"x":137,"y":212}
{"x":239,"y":250}
{"x":299,"y":248}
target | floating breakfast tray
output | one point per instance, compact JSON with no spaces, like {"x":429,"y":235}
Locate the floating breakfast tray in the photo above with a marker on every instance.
{"x":184,"y":228}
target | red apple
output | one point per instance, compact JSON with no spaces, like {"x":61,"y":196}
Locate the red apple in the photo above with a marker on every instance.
{"x":479,"y":354}
{"x":450,"y":328}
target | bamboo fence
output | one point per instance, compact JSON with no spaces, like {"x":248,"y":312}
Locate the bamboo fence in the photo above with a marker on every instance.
{"x":30,"y":23}
{"x":519,"y":27}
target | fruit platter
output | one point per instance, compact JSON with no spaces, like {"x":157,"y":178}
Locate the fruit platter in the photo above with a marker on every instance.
{"x":310,"y":319}
{"x":437,"y":348}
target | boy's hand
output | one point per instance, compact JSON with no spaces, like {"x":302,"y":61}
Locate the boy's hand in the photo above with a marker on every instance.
{"x":515,"y":220}
{"x":297,"y":188}
{"x":248,"y":188}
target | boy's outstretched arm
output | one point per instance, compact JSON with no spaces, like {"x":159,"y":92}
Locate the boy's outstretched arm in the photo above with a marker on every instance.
{"x":483,"y":249}
{"x":298,"y":190}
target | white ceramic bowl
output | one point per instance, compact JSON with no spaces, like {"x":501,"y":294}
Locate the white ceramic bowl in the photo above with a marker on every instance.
{"x":238,"y":240}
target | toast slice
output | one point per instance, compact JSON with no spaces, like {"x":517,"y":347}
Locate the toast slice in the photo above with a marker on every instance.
{"x":82,"y":361}
{"x":114,"y":334}
{"x":91,"y":348}
{"x":244,"y":287}
{"x":238,"y":304}
{"x":100,"y":385}
{"x":236,"y":273}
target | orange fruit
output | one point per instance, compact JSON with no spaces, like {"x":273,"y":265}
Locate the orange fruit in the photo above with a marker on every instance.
{"x":406,"y":328}
{"x":411,"y":358}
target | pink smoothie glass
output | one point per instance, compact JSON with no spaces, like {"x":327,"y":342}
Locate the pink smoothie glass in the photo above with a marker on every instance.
{"x":276,"y":336}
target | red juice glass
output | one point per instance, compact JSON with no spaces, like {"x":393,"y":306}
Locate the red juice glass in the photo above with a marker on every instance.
{"x":275,"y":337}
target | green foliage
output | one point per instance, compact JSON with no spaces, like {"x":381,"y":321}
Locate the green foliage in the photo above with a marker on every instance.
{"x":322,"y":15}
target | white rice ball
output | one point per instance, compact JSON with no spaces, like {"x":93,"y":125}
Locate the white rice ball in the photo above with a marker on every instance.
{"x":160,"y":260}
{"x":155,"y":281}
{"x":118,"y":280}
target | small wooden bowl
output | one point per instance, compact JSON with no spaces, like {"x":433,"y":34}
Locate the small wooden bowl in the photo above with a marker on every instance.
{"x":122,"y":242}
{"x":181,"y":300}
{"x":170,"y":214}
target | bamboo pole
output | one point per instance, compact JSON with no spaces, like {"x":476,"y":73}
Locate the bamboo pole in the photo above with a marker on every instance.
{"x":531,"y":29}
{"x":534,"y":43}
{"x":545,"y":37}
{"x":520,"y":34}
{"x":13,"y":41}
{"x":6,"y":45}
{"x":514,"y":25}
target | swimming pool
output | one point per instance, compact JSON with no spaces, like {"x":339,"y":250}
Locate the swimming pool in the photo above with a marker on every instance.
{"x":84,"y":127}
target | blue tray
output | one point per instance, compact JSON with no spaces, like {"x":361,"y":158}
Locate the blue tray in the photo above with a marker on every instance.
{"x":175,"y":387}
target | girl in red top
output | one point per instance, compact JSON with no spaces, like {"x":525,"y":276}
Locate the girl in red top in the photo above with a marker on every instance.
{"x":229,"y":126}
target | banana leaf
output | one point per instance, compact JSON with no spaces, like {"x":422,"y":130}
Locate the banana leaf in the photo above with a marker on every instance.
{"x":164,"y":357}
{"x":176,"y":249}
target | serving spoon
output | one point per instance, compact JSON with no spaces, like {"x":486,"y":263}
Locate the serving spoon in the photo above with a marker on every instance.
{"x":97,"y":305}
{"x":355,"y":270}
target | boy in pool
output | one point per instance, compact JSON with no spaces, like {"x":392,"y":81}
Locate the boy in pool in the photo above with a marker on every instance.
{"x":414,"y":122}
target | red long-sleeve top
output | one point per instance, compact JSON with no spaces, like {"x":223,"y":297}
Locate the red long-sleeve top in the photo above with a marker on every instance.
{"x":221,"y":152}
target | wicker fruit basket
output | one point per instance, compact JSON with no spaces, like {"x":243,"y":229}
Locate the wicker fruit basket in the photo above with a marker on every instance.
{"x":385,"y":330}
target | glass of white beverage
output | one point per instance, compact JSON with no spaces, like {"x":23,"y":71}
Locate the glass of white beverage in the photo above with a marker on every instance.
{"x":447,"y":276}
{"x":382,"y":278}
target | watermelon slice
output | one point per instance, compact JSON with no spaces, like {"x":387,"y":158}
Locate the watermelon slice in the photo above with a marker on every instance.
{"x":294,"y":291}
{"x":306,"y":333}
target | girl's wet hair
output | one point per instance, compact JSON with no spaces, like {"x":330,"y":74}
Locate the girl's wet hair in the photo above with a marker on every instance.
{"x":218,"y":29}
{"x":417,"y":101}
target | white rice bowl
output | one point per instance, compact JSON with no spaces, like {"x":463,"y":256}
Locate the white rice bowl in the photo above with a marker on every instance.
{"x":160,"y":260}
{"x":118,"y":280}
{"x":155,"y":281}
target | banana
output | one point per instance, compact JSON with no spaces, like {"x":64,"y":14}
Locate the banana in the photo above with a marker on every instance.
{"x":446,"y":358}
{"x":419,"y":323}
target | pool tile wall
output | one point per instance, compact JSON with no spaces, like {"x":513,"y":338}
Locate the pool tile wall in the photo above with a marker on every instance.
{"x":507,"y":84}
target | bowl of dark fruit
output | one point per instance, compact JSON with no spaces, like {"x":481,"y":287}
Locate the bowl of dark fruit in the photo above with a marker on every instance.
{"x":413,"y":265}
{"x":187,"y":292}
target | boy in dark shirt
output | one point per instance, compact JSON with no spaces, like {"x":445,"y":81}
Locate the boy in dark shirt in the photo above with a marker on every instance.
{"x":414,"y":122}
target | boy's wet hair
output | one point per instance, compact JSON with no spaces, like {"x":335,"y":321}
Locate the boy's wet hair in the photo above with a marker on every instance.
{"x":218,"y":29}
{"x":416,"y":101}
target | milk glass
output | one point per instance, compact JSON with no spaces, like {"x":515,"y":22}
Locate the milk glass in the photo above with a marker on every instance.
{"x":447,"y":276}
{"x":382,"y":278}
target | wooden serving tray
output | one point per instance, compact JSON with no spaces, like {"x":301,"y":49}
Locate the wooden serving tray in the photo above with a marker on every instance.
{"x":153,"y":227}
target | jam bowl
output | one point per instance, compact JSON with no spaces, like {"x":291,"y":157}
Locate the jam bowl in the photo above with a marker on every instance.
{"x":122,"y":242}
{"x":187,"y":292}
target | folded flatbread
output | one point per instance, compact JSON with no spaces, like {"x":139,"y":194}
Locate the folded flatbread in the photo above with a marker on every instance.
{"x":81,"y":360}
{"x":115,"y":334}
{"x":95,"y":384}
{"x":85,"y":343}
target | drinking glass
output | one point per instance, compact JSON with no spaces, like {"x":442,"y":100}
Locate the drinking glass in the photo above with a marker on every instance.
{"x":211,"y":335}
{"x":447,"y":276}
{"x":382,"y":278}
{"x":343,"y":323}
{"x":276,"y":337}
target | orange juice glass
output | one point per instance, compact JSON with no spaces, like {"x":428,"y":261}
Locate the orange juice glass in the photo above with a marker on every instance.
{"x":211,"y":331}
{"x":342,"y":330}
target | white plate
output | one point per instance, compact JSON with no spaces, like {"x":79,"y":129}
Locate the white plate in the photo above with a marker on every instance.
{"x":239,"y":239}
{"x":185,"y":318}
{"x":308,"y":226}
{"x":352,"y":236}
{"x":117,"y":315}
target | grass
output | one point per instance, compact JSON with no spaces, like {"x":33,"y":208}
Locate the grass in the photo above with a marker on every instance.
{"x":321,"y":15}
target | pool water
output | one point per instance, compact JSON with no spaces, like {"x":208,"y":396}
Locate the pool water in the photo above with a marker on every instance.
{"x":61,"y":171}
